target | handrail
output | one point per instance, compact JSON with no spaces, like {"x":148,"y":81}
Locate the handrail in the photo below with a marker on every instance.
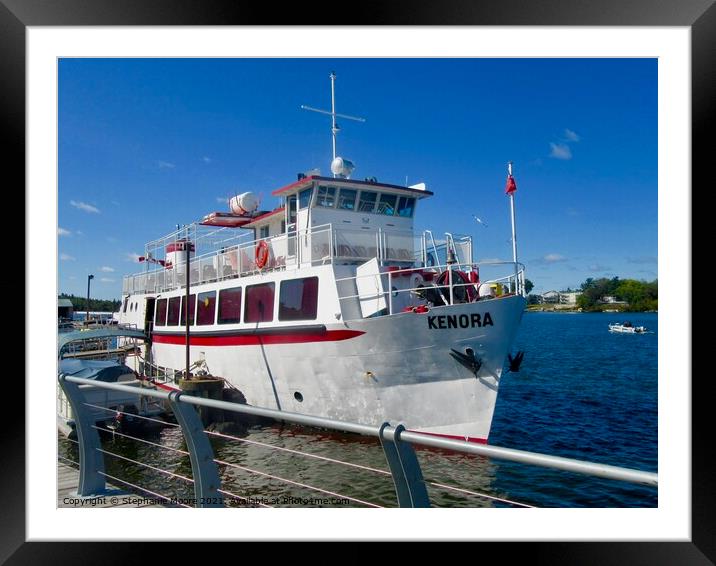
{"x":399,"y":438}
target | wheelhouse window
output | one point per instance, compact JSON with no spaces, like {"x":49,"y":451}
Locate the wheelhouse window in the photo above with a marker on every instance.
{"x":192,"y":309}
{"x":259,"y":303}
{"x":206,"y":307}
{"x":230,"y":306}
{"x":160,"y":316}
{"x":304,"y":197}
{"x":298,"y":299}
{"x":264,"y":232}
{"x":347,"y":199}
{"x":326,"y":196}
{"x":173,"y":312}
{"x":406,"y":205}
{"x":126,"y":302}
{"x":366,"y":202}
{"x":386,"y":204}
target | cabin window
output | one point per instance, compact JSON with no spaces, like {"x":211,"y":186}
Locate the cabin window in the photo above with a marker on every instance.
{"x":406,"y":205}
{"x":347,"y":199}
{"x":386,"y":204}
{"x":304,"y":198}
{"x":126,"y":302}
{"x":298,"y":299}
{"x":230,"y":306}
{"x":326,"y":196}
{"x":173,"y":312}
{"x":160,"y":318}
{"x":259,"y":303}
{"x":192,"y":309}
{"x":366,"y":203}
{"x":205,"y":308}
{"x":264,"y":232}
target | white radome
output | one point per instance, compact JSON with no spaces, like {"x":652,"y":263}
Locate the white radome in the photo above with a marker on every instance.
{"x":342,"y":167}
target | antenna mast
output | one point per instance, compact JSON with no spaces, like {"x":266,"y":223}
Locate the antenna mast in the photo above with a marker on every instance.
{"x":335,"y":128}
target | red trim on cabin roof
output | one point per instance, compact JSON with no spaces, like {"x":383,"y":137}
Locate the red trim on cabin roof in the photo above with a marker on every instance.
{"x":299,"y":184}
{"x":265,"y":215}
{"x":295,"y":184}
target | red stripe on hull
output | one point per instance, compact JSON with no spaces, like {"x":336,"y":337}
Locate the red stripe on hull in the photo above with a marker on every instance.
{"x":258,"y":339}
{"x":474,"y":439}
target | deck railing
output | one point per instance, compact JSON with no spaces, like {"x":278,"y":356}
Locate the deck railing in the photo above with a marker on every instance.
{"x":397,"y":444}
{"x":317,"y":246}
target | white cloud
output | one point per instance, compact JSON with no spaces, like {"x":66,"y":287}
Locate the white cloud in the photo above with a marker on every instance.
{"x":560,"y":151}
{"x":71,"y":277}
{"x":80,"y":233}
{"x":63,"y":232}
{"x":108,"y":280}
{"x":112,"y":240}
{"x":571,"y":136}
{"x":551,"y":258}
{"x":165,"y":165}
{"x":222,"y":200}
{"x":107,"y":269}
{"x":84,"y":206}
{"x":599,"y":267}
{"x":207,"y":159}
{"x":114,"y":202}
{"x":66,"y":257}
{"x":129,"y":256}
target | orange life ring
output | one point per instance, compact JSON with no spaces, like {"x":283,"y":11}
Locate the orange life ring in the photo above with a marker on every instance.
{"x":262,"y":254}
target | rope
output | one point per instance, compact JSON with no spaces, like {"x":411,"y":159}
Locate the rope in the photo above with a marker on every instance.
{"x":307,"y":454}
{"x":146,"y":442}
{"x":147,"y":466}
{"x":132,"y":415}
{"x":141,"y":488}
{"x":299,"y":484}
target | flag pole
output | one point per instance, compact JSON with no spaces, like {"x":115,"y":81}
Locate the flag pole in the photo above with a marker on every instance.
{"x":512,"y":189}
{"x":512,"y":211}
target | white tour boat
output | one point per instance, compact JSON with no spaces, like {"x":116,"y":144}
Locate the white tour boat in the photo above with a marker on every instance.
{"x":627,"y":328}
{"x":332,"y":305}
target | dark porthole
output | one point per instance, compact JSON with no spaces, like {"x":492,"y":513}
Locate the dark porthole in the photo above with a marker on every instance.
{"x":298,"y":397}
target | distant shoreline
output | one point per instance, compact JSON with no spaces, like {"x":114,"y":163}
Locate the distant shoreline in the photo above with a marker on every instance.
{"x":569,"y":309}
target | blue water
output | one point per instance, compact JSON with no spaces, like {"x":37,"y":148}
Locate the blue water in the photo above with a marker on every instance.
{"x":582,"y":392}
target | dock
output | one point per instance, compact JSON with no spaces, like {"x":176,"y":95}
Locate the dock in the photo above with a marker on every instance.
{"x":68,"y":478}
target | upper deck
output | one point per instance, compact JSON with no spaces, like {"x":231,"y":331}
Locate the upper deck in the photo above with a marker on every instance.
{"x":320,"y":220}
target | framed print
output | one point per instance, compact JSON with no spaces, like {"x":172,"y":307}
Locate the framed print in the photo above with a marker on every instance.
{"x":123,"y":50}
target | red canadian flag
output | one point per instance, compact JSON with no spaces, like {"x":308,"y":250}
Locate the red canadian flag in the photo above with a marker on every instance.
{"x":511,"y":186}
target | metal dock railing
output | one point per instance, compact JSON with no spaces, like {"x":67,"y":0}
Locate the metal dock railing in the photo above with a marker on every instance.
{"x":397,"y":444}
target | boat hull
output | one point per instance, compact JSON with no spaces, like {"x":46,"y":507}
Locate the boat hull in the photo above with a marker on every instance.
{"x":408,"y":367}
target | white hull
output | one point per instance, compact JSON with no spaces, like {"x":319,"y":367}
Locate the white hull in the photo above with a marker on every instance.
{"x":398,"y":369}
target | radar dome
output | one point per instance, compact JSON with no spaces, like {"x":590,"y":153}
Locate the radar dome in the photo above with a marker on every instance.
{"x":342,"y":167}
{"x":245,"y":203}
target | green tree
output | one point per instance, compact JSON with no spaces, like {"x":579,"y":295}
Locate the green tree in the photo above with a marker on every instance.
{"x":529,"y":286}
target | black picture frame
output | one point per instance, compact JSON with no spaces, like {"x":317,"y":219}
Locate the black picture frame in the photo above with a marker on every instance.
{"x":698,"y":15}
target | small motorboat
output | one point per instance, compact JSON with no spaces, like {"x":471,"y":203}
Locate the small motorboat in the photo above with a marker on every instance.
{"x":627,"y":328}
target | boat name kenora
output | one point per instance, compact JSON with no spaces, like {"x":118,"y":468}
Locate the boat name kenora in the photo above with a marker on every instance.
{"x":460,"y":321}
{"x":329,"y":303}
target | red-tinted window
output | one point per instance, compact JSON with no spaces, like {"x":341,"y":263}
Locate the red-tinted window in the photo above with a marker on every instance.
{"x":161,"y":314}
{"x":230,"y":306}
{"x":192,"y":309}
{"x":205,"y":308}
{"x":298,"y":299}
{"x":259,"y":303}
{"x":173,"y":312}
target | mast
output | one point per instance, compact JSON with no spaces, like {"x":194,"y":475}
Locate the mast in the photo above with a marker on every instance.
{"x":335,"y":128}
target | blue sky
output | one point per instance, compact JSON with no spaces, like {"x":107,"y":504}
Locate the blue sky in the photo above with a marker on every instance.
{"x":146,"y":144}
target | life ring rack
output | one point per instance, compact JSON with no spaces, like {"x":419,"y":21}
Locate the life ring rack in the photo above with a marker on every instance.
{"x":262,"y":254}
